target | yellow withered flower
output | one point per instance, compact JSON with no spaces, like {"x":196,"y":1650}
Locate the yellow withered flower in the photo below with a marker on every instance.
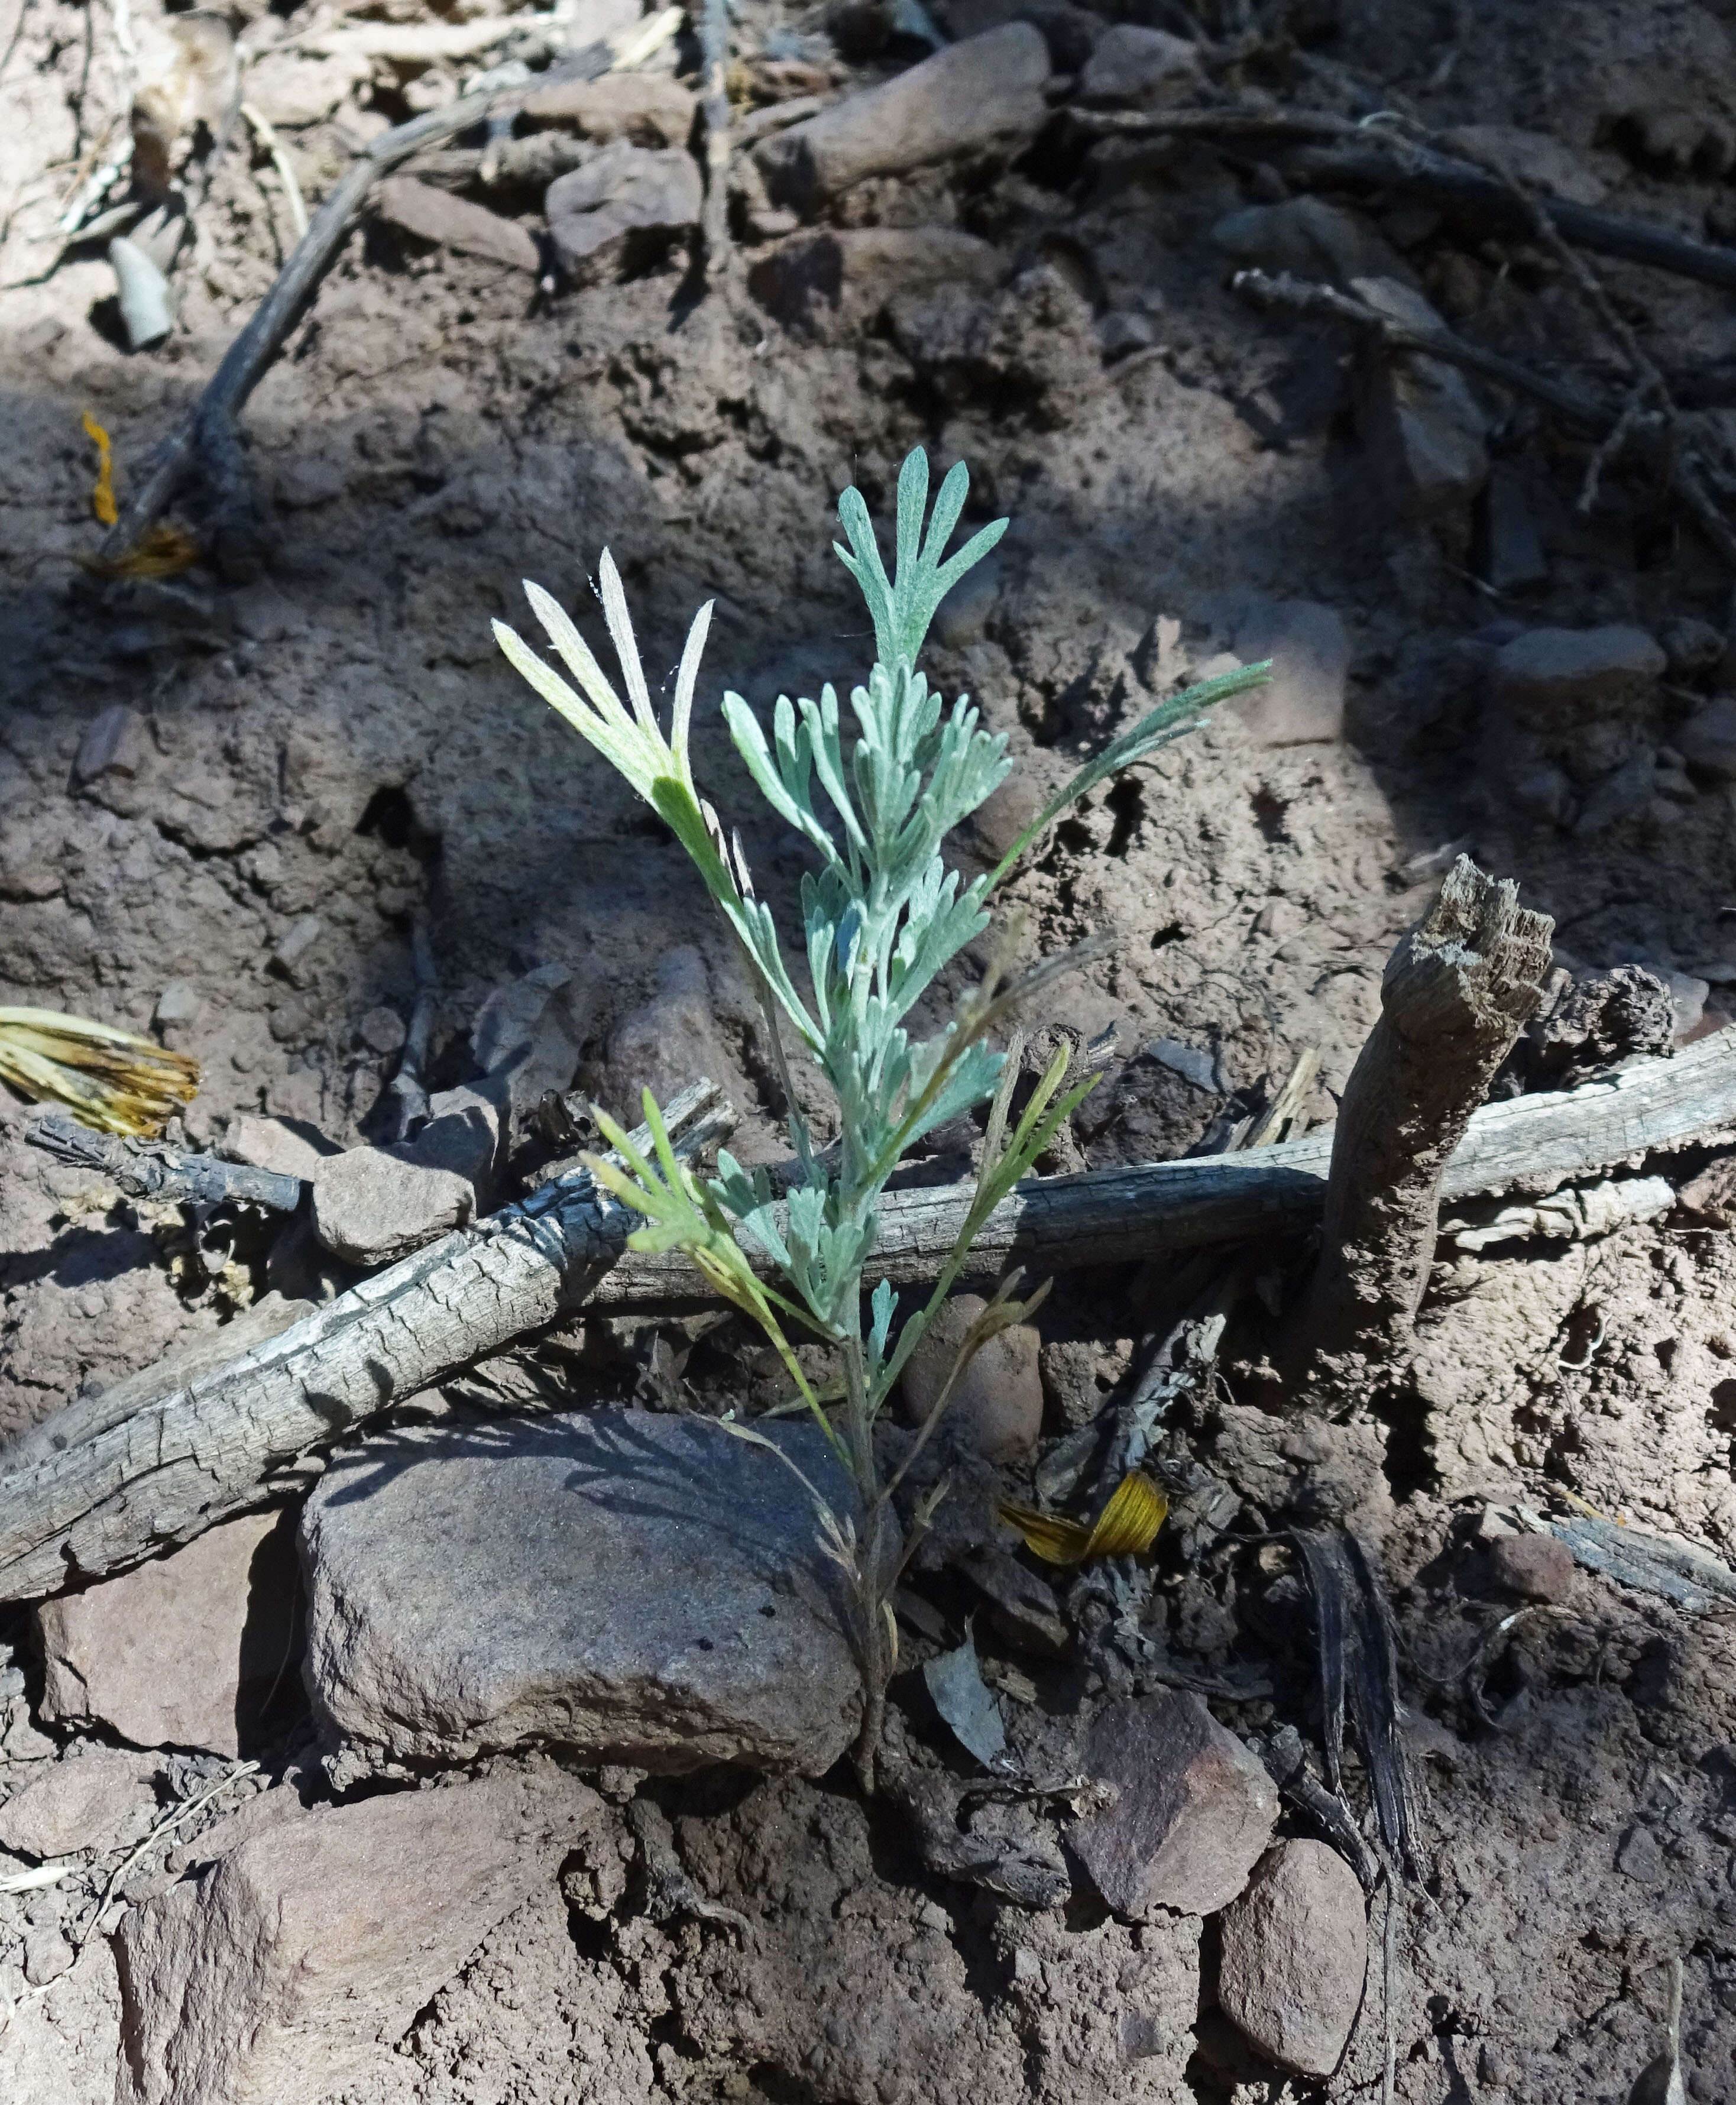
{"x":106,"y":1077}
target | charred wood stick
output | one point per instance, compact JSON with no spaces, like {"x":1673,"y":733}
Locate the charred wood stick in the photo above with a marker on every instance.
{"x":1378,"y":156}
{"x":208,"y":433}
{"x":1456,"y":992}
{"x":1305,"y":296}
{"x":208,"y":1448}
{"x":1653,"y":431}
{"x":152,"y":1169}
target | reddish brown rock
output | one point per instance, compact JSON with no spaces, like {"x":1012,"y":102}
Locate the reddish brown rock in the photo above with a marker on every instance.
{"x":427,"y":214}
{"x":1295,"y":1953}
{"x":997,"y":1410}
{"x":273,"y":1974}
{"x":1195,"y":1808}
{"x":649,"y":109}
{"x":184,"y":1652}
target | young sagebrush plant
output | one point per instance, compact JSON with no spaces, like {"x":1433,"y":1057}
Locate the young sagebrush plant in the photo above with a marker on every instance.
{"x":882,"y":916}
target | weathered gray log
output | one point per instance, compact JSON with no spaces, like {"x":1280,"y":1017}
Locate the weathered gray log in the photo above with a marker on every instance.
{"x":208,"y":1448}
{"x":1454,"y":995}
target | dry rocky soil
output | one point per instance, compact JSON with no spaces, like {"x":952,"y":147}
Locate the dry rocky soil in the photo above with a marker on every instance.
{"x":504,"y":1748}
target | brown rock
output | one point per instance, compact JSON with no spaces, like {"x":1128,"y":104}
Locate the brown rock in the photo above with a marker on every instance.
{"x":116,"y":743}
{"x":289,"y":1148}
{"x":985,"y":91}
{"x":290,"y":91}
{"x":94,"y":1797}
{"x":1195,"y":1811}
{"x":1707,"y":741}
{"x":427,"y":214}
{"x":1532,"y":1567}
{"x":184,"y":1652}
{"x":636,"y":1585}
{"x":649,"y":109}
{"x":626,"y":196}
{"x":1554,"y":676}
{"x":1139,"y":68}
{"x":273,"y":1976}
{"x":861,"y":268}
{"x":1295,"y":1952}
{"x":371,"y":1205}
{"x":1302,"y":703}
{"x":996,"y":1411}
{"x":1423,"y":425}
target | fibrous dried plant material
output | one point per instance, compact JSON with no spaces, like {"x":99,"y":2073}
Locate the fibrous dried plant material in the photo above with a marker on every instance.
{"x":882,"y":918}
{"x":110,"y":1079}
{"x":1353,"y":1627}
{"x":1455,"y":994}
{"x":1127,"y":1526}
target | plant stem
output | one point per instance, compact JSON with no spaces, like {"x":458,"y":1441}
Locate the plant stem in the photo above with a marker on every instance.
{"x":871,"y":1561}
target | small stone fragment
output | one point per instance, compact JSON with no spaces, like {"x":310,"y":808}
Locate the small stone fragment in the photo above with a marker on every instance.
{"x":290,"y":92}
{"x":1581,"y":676}
{"x":1639,"y":1857}
{"x":1136,"y":68}
{"x":1308,"y":239}
{"x":291,"y":1147}
{"x":859,"y":269}
{"x":1512,"y":557}
{"x":289,"y":955}
{"x":529,"y":1035}
{"x":638,"y":1586}
{"x":649,"y":109}
{"x":176,"y":1004}
{"x":1022,"y":1606}
{"x":372,"y":1206}
{"x":1707,"y":741}
{"x":91,"y":1798}
{"x":1295,"y":1953}
{"x":274,"y":1975}
{"x":465,"y":1133}
{"x":993,"y":829}
{"x":1195,"y":1811}
{"x":435,"y":215}
{"x":629,"y":195}
{"x":382,"y":1030}
{"x":116,"y":743}
{"x":1623,"y":793}
{"x":983,"y":92}
{"x":996,"y":1411}
{"x":1424,"y":426}
{"x":183,"y":1652}
{"x":1532,"y":1567}
{"x":1302,"y":703}
{"x":1691,"y":645}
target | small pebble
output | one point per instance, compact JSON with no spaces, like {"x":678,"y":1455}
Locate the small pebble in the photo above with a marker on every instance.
{"x":1532,"y":1567}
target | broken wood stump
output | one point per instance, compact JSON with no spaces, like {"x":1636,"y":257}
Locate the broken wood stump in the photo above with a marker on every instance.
{"x":1455,"y":995}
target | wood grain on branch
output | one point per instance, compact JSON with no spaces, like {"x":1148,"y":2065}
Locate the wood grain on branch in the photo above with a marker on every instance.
{"x":1454,"y":995}
{"x":208,"y":1448}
